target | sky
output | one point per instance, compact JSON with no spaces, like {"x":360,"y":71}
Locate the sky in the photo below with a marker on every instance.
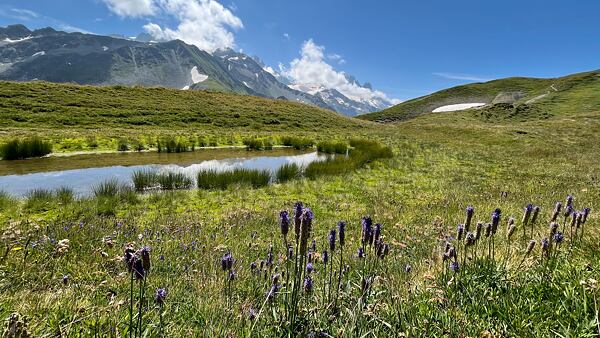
{"x":405,"y":49}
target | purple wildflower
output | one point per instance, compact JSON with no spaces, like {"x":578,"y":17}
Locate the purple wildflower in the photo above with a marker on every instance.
{"x":160,"y":295}
{"x":407,"y":268}
{"x":569,"y":200}
{"x":325,"y":257}
{"x":308,"y":284}
{"x":527,"y":214}
{"x":367,"y":230}
{"x":454,"y":266}
{"x":342,"y":232}
{"x":586,"y":213}
{"x":297,"y":218}
{"x":227,"y":261}
{"x":496,"y":220}
{"x":558,"y":237}
{"x":284,"y":222}
{"x":460,"y":230}
{"x":376,"y":232}
{"x":65,"y":279}
{"x":145,"y":255}
{"x":470,"y":211}
{"x":310,"y":268}
{"x":534,"y":216}
{"x":331,"y":239}
{"x":557,"y":210}
{"x":361,"y":253}
{"x":568,"y":211}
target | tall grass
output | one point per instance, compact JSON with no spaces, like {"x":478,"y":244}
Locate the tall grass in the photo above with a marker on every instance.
{"x":65,"y":195}
{"x":108,"y":188}
{"x":6,"y":200}
{"x":258,"y":144}
{"x":18,"y":149}
{"x":39,"y":200}
{"x":144,"y":180}
{"x":288,"y":172}
{"x":297,"y":142}
{"x":332,"y":147}
{"x":173,"y":181}
{"x":171,"y":144}
{"x":212,"y":179}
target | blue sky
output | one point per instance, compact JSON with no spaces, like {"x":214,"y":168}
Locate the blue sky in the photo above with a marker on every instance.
{"x":404,"y":48}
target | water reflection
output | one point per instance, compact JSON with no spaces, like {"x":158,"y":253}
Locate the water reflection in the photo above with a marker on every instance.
{"x":82,"y":180}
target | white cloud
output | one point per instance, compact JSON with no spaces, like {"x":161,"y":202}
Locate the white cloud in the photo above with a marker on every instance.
{"x":204,"y":23}
{"x":131,"y":8}
{"x":311,"y":69}
{"x":25,"y":12}
{"x":286,"y":36}
{"x":462,"y":77}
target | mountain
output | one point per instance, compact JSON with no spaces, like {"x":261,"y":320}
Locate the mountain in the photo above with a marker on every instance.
{"x":55,"y":56}
{"x":342,"y":103}
{"x":514,"y":98}
{"x":253,"y":74}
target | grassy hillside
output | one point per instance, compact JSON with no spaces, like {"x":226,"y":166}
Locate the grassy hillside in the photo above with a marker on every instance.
{"x":73,"y":110}
{"x":508,"y":97}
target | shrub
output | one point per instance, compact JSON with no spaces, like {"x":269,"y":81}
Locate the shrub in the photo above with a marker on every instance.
{"x":17,"y":149}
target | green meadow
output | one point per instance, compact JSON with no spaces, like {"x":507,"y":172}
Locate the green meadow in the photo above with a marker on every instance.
{"x":66,"y":265}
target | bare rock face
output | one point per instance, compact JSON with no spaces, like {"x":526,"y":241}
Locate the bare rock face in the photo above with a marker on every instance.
{"x":508,"y":97}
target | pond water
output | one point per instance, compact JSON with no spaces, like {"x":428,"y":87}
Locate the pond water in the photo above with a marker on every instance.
{"x":82,"y":172}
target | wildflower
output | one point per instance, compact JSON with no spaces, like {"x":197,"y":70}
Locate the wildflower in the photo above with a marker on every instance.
{"x":407,"y":268}
{"x":308,"y":284}
{"x":65,"y":279}
{"x":557,"y":210}
{"x":129,"y":257}
{"x":331,"y":239}
{"x":460,"y":229}
{"x":342,"y":231}
{"x":270,"y":256}
{"x":162,"y":258}
{"x":145,"y":255}
{"x":297,"y":218}
{"x":488,"y":229}
{"x":553,"y":228}
{"x":558,"y":237}
{"x":361,"y":253}
{"x":586,"y":213}
{"x":569,"y":200}
{"x":534,"y":216}
{"x":138,"y":269}
{"x":496,"y":220}
{"x":232,"y":274}
{"x":452,"y":253}
{"x":290,"y":251}
{"x":470,"y":239}
{"x":574,"y":216}
{"x":253,"y":266}
{"x":376,"y":232}
{"x":367,"y":230}
{"x":511,"y":230}
{"x":227,"y":261}
{"x":568,"y":210}
{"x":307,"y":218}
{"x":530,"y":246}
{"x":325,"y":257}
{"x":284,"y":222}
{"x":469,"y":217}
{"x":309,"y":268}
{"x":455,"y":267}
{"x":160,"y":295}
{"x":527,"y":214}
{"x":272,"y":292}
{"x":545,"y":243}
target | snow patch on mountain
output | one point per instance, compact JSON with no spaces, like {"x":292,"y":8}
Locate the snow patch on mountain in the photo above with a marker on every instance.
{"x":457,"y":107}
{"x":197,"y":77}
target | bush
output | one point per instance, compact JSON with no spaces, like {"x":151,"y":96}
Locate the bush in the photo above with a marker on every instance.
{"x":211,"y":179}
{"x":26,"y":148}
